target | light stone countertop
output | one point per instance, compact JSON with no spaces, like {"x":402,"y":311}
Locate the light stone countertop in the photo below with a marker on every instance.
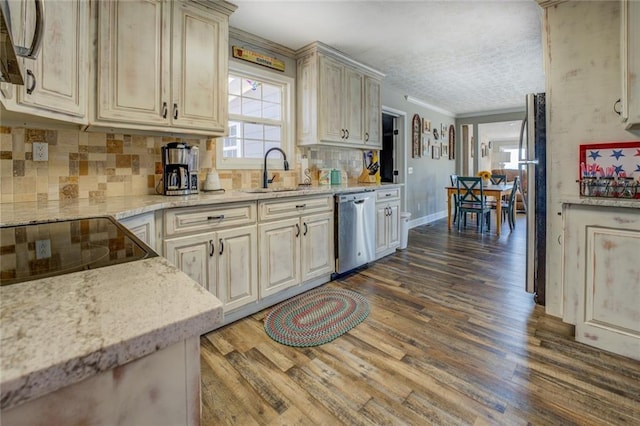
{"x":127,"y":206}
{"x":57,"y":331}
{"x":603,"y":202}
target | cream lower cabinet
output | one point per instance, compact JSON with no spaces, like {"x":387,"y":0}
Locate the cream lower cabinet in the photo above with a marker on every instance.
{"x":142,"y":226}
{"x":295,"y":245}
{"x":56,"y":81}
{"x":387,"y":221}
{"x":219,"y":253}
{"x":602,"y":277}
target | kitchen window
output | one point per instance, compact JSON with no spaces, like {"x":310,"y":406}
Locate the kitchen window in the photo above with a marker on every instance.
{"x":260,"y":118}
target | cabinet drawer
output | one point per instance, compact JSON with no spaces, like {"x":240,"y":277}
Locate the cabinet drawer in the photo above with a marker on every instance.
{"x":278,"y":209}
{"x":388,"y":194}
{"x":207,"y":218}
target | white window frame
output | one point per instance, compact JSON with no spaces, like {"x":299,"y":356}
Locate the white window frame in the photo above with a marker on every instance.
{"x":288,"y":120}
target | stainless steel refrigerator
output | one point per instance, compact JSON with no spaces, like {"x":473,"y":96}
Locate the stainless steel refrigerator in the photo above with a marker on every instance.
{"x":533,"y":162}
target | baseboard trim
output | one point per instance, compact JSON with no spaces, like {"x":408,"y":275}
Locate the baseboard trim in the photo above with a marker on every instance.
{"x":427,"y":219}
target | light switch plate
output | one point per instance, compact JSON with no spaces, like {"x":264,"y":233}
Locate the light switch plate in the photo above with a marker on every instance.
{"x":40,"y":151}
{"x":410,"y":170}
{"x":43,"y":249}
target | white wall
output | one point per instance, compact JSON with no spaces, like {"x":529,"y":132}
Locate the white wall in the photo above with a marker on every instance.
{"x":426,"y":199}
{"x":583,"y":83}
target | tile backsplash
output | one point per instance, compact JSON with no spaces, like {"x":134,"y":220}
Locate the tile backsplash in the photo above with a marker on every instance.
{"x":95,"y":165}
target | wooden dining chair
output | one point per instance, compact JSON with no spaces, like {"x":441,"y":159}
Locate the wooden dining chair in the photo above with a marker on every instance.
{"x":509,"y":205}
{"x":498,"y":179}
{"x":454,"y":182}
{"x":471,"y":199}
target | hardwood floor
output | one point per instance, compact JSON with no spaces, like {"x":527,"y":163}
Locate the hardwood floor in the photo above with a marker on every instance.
{"x":452,"y":338}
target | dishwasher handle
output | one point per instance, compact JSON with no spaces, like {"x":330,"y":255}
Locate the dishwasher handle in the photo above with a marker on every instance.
{"x":358,"y":201}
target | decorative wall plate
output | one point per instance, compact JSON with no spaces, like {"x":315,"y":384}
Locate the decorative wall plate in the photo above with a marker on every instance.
{"x":416,"y":139}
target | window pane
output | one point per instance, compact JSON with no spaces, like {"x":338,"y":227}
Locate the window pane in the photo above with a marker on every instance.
{"x":272,"y":133}
{"x":271,"y":111}
{"x":251,"y":89}
{"x":235,"y":129}
{"x":251,"y":108}
{"x":253,"y":148}
{"x":234,"y":85}
{"x":253,"y":131}
{"x":271,"y":93}
{"x":235,"y":103}
{"x":275,"y":154}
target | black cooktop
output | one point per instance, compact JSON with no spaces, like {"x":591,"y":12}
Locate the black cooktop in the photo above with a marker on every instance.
{"x":39,"y":250}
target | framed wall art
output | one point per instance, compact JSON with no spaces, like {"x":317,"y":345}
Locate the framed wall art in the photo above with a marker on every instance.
{"x":426,"y":126}
{"x":416,"y":136}
{"x":435,"y":152}
{"x":444,"y":150}
{"x":452,"y":142}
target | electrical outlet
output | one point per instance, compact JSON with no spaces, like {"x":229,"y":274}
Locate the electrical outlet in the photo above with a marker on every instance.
{"x":43,"y":249}
{"x":410,"y":170}
{"x":40,"y":151}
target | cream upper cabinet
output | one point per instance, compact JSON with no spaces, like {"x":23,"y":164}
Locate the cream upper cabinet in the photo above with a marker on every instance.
{"x":162,"y":66}
{"x":372,"y":112}
{"x":56,"y":81}
{"x":630,"y":59}
{"x":334,"y":107}
{"x":133,"y":62}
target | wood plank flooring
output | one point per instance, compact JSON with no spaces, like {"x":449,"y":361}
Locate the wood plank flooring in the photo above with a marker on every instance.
{"x":452,"y":338}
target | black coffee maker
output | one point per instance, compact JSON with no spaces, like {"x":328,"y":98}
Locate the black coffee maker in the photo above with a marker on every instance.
{"x":175,"y":168}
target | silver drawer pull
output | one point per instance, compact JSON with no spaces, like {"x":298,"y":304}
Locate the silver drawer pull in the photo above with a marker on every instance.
{"x":219,"y":217}
{"x":300,"y":206}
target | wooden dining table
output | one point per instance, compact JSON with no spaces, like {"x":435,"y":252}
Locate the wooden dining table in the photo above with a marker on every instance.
{"x":490,"y":190}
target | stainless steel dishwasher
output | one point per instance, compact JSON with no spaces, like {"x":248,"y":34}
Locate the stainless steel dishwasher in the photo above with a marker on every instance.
{"x":355,"y":230}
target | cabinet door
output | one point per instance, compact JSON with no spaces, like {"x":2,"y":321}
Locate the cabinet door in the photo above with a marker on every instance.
{"x":195,"y":256}
{"x":630,"y":61}
{"x":393,"y":224}
{"x":133,"y":62}
{"x":59,"y":74}
{"x":279,"y":244}
{"x":199,"y":68}
{"x":237,"y":251}
{"x":331,"y":120}
{"x":382,"y":235}
{"x":317,"y":248}
{"x":353,"y":108}
{"x":142,"y":226}
{"x":372,"y":112}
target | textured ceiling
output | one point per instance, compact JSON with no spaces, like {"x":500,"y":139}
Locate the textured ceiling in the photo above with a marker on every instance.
{"x":465,"y":57}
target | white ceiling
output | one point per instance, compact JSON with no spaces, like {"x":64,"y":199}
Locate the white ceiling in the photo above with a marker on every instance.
{"x":466,"y":57}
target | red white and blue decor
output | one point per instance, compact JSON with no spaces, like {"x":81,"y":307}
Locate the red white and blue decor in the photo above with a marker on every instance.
{"x":316,"y":317}
{"x":610,"y":170}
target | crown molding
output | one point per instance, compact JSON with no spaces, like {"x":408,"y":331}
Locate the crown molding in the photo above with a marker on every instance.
{"x":262,"y":43}
{"x":428,"y":105}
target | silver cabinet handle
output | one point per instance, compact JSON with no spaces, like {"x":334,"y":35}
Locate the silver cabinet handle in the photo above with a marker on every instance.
{"x":300,"y":206}
{"x":297,"y":230}
{"x":164,"y":110}
{"x":32,"y":51}
{"x":305,"y":228}
{"x":211,"y":249}
{"x":175,"y":111}
{"x":221,"y":246}
{"x":347,"y":132}
{"x":366,"y":137}
{"x":32,"y":87}
{"x":342,"y":133}
{"x":219,"y":217}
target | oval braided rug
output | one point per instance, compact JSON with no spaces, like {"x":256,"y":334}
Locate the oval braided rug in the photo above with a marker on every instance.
{"x":316,"y":317}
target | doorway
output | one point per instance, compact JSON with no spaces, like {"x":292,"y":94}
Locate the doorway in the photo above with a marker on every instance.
{"x":388,"y":170}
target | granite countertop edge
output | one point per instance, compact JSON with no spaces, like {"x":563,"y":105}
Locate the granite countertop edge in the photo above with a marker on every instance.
{"x":37,"y":360}
{"x":122,"y":207}
{"x":602,"y":202}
